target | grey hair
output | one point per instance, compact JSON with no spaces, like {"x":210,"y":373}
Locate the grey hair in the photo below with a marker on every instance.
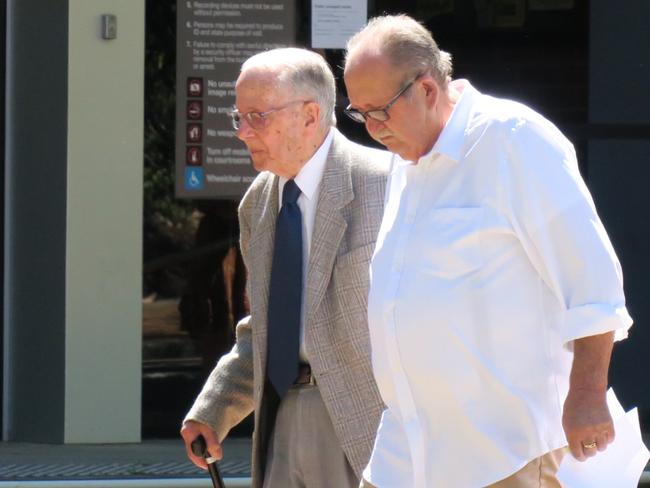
{"x":407,"y":44}
{"x":303,"y":73}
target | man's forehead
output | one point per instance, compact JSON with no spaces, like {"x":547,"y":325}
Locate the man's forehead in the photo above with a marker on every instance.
{"x":257,"y":87}
{"x":253,"y":78}
{"x":364,"y":55}
{"x":370,"y":79}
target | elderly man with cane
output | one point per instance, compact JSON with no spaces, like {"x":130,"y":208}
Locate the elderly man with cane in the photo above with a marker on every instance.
{"x":308,"y":227}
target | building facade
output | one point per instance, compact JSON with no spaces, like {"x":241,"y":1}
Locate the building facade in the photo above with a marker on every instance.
{"x":107,"y":332}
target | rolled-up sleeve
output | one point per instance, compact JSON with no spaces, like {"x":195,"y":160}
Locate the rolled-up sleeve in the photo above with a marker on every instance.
{"x":556,"y":221}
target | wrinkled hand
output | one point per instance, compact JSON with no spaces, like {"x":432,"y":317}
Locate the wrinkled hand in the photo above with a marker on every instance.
{"x":190,"y":431}
{"x":586,"y":420}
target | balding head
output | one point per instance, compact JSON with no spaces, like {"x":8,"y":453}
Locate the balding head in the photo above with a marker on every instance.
{"x":405,"y":43}
{"x":300,"y":72}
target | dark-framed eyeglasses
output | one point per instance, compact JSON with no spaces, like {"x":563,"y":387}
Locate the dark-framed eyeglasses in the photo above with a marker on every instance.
{"x":380,"y":114}
{"x":256,"y":120}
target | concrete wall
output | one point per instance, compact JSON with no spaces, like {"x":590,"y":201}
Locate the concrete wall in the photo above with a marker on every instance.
{"x":104,"y":222}
{"x":73,"y":226}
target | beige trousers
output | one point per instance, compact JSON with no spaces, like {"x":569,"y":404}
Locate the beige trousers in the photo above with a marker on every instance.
{"x":304,"y":451}
{"x":539,"y":473}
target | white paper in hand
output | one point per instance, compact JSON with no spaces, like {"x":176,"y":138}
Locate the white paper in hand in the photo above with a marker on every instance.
{"x":622,"y":463}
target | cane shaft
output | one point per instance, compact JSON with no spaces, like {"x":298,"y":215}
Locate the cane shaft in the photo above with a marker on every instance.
{"x":217,"y":482}
{"x":199,"y":448}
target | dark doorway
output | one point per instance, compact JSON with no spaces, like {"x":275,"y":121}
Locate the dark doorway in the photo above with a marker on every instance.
{"x":193,"y":274}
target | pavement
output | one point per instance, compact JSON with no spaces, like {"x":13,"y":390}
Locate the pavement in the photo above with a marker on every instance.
{"x":151,"y":463}
{"x":164,"y":459}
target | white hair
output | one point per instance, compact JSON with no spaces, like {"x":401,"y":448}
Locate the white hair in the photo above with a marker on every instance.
{"x":303,"y":73}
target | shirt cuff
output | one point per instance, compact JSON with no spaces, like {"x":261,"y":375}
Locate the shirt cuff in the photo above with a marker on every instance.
{"x":595,"y":319}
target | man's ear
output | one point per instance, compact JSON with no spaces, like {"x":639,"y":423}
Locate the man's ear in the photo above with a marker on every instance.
{"x":431,"y":90}
{"x":311,"y":111}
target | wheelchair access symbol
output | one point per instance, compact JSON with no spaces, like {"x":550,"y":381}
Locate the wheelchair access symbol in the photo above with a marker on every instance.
{"x":194,"y":178}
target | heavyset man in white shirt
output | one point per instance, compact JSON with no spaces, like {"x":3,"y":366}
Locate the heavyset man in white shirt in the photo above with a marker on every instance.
{"x":495,"y":293}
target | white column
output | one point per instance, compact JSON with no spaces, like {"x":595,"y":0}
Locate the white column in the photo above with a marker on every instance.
{"x":104,"y":223}
{"x":73,"y":213}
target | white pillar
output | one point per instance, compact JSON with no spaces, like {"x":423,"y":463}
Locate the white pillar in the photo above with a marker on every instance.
{"x":73,"y":328}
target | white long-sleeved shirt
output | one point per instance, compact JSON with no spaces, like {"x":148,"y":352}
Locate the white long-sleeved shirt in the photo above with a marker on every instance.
{"x":490,"y":261}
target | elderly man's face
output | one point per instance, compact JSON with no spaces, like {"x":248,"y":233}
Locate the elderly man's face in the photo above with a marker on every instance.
{"x":275,"y":141}
{"x":371,"y":83}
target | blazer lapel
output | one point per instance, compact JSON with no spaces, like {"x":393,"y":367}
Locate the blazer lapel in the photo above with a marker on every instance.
{"x":329,"y":225}
{"x":261,"y":256}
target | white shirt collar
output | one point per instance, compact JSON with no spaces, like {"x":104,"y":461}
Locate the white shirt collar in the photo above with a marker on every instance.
{"x":452,"y":138}
{"x":309,"y":177}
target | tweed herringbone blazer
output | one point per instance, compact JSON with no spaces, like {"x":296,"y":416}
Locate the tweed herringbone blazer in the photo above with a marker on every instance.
{"x":346,"y":224}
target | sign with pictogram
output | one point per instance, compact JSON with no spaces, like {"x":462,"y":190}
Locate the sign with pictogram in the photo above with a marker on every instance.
{"x":213,"y":40}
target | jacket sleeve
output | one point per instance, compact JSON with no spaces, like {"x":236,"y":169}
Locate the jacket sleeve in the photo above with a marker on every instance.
{"x":227,"y":396}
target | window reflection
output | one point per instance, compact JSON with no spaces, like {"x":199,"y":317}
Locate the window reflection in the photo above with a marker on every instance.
{"x":194,"y":296}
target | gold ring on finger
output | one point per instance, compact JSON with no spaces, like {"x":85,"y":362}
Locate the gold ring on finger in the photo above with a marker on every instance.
{"x":589,"y":445}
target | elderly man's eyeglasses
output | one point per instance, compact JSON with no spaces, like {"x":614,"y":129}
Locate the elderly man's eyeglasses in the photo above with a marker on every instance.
{"x":379,"y":114}
{"x":256,"y":120}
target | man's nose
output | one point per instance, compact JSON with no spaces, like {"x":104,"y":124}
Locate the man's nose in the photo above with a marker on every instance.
{"x":373,"y":125}
{"x":245,"y":131}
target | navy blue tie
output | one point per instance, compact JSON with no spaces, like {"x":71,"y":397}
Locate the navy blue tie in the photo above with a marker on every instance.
{"x":285,"y":295}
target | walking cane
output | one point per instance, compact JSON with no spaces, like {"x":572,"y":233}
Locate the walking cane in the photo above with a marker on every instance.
{"x":199,"y":448}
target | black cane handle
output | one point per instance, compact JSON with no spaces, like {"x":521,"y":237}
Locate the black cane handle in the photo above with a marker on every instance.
{"x":200,"y":448}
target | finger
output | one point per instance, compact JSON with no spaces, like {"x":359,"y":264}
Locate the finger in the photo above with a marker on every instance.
{"x":576,"y":450}
{"x":197,"y":460}
{"x":213,"y":445}
{"x":602,"y":441}
{"x":189,"y":432}
{"x":589,"y":448}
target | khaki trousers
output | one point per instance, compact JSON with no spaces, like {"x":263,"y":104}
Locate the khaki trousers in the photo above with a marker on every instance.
{"x":539,"y":473}
{"x":304,"y":451}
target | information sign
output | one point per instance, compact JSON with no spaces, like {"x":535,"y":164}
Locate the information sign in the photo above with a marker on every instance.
{"x":213,"y":39}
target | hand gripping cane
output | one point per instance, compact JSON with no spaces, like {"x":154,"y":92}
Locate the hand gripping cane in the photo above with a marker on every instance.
{"x":199,"y":448}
